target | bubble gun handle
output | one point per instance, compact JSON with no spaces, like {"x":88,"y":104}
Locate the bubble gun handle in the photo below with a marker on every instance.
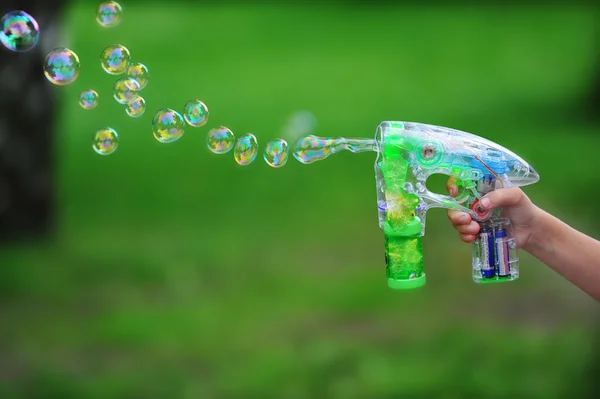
{"x":407,"y":154}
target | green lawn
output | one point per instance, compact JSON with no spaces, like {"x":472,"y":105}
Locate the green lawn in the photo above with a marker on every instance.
{"x":176,"y":273}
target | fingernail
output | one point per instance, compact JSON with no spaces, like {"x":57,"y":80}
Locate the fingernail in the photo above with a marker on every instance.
{"x":463,"y":219}
{"x":485,"y":202}
{"x":453,"y":192}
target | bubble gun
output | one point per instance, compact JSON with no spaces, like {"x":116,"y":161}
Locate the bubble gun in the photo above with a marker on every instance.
{"x":407,"y":154}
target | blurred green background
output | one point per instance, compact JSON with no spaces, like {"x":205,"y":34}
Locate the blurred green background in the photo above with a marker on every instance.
{"x":176,"y":273}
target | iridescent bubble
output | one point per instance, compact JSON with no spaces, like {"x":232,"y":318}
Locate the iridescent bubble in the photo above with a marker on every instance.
{"x":136,"y":107}
{"x":88,"y":99}
{"x":167,"y":125}
{"x":195,"y":113}
{"x":109,"y":14}
{"x":61,"y":66}
{"x":220,"y":140}
{"x":276,"y":153}
{"x":125,"y":89}
{"x":106,"y":141}
{"x":246,"y":149}
{"x":139,"y":73}
{"x":20,"y":31}
{"x":115,"y":59}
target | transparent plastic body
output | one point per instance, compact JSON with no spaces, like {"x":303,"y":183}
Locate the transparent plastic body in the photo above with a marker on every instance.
{"x":407,"y":154}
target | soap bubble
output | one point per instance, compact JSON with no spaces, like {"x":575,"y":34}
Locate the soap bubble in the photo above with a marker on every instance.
{"x":88,"y":99}
{"x":136,"y":107}
{"x":246,"y":149}
{"x":20,"y":31}
{"x":139,"y":73}
{"x":276,"y":153}
{"x":61,"y":66}
{"x":106,"y":141}
{"x":311,"y":148}
{"x":220,"y":140}
{"x":300,"y":123}
{"x":195,"y":113}
{"x":125,"y":89}
{"x":115,"y":59}
{"x":109,"y":14}
{"x":167,"y":125}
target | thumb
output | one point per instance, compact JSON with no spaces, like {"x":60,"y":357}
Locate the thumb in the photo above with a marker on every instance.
{"x":504,"y":197}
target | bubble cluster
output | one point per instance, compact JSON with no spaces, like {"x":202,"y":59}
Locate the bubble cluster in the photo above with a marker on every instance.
{"x":109,"y":14}
{"x":125,"y":89}
{"x":61,"y":66}
{"x":220,"y":140}
{"x":105,"y":141}
{"x":88,"y":99}
{"x":136,"y":107}
{"x":312,"y":148}
{"x":139,"y":73}
{"x":276,"y":153}
{"x":167,"y":125}
{"x":20,"y":31}
{"x":246,"y":149}
{"x":115,"y":59}
{"x":195,"y":113}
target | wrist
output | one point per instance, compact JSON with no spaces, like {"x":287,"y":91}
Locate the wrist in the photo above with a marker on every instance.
{"x":540,"y":231}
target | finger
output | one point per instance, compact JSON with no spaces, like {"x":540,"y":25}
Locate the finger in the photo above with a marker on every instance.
{"x":502,"y":198}
{"x":458,"y":217}
{"x":471,"y":228}
{"x":468,"y":238}
{"x":452,"y":187}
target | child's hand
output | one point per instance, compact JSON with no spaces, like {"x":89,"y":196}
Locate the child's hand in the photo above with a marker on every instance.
{"x":517,"y":207}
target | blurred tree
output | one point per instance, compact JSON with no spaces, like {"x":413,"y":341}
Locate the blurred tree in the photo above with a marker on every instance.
{"x":26,"y":124}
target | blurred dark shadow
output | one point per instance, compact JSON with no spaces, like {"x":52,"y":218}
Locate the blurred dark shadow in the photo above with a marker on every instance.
{"x":27,"y":124}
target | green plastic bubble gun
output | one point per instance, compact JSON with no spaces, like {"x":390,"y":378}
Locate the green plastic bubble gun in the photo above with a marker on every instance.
{"x":407,"y":154}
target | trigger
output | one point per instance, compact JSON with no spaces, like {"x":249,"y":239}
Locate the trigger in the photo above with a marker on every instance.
{"x":464,"y":191}
{"x":482,"y":214}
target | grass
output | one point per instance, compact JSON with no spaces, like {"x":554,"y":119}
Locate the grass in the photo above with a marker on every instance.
{"x":176,"y":273}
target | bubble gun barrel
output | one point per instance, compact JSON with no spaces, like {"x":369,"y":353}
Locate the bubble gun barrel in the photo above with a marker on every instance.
{"x":407,"y":154}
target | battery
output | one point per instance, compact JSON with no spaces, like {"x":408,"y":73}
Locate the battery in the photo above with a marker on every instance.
{"x":502,"y":253}
{"x":488,"y":260}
